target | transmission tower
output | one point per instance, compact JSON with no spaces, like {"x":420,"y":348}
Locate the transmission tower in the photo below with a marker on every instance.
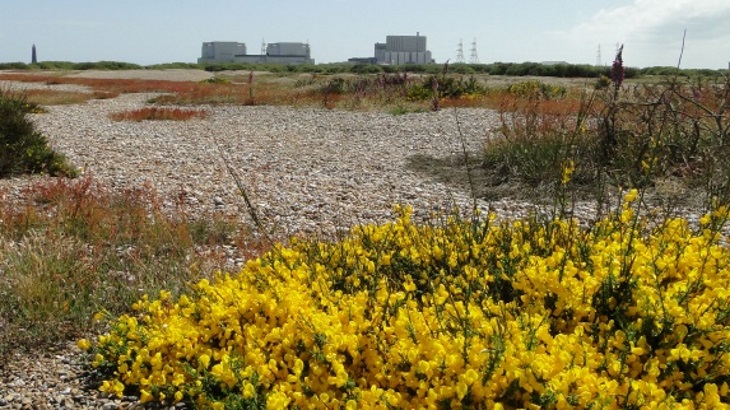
{"x":474,"y":58}
{"x":263,"y":46}
{"x":599,"y":60}
{"x":460,"y":52}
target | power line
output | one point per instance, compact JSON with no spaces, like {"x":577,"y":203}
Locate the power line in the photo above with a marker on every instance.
{"x":460,"y":52}
{"x":474,"y":58}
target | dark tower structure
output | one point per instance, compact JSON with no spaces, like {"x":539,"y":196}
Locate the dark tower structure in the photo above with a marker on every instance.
{"x":34,"y":56}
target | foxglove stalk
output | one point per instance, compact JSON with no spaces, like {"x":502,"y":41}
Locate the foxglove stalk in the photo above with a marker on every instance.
{"x":618,"y":72}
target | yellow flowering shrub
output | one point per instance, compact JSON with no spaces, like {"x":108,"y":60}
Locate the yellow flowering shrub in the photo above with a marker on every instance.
{"x":461,"y":314}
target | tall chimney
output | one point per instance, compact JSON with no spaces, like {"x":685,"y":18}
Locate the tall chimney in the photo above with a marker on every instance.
{"x":34,"y":56}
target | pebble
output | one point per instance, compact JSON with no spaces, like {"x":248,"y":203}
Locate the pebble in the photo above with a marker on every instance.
{"x":52,"y":379}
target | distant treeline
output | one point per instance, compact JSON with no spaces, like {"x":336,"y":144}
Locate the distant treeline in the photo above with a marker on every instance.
{"x":509,"y":69}
{"x":66,"y":65}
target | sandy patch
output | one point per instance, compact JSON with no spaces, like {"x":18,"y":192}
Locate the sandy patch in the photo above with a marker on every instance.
{"x":175,"y":74}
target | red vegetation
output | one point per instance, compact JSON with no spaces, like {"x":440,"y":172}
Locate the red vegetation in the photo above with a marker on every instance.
{"x":158,"y":113}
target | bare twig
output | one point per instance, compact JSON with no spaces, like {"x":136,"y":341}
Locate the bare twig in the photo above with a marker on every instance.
{"x":250,"y":209}
{"x":465,"y":153}
{"x":681,"y":52}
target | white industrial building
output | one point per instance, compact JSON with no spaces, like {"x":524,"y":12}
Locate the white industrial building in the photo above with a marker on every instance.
{"x":403,"y":50}
{"x":276,"y":53}
{"x":221,"y":51}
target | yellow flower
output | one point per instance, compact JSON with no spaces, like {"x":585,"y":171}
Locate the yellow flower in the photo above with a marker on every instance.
{"x":631,"y":196}
{"x":83,"y":344}
{"x":145,"y":396}
{"x":706,"y":219}
{"x":118,"y":388}
{"x":204,"y":360}
{"x":98,"y":360}
{"x":298,"y":367}
{"x":522,"y":314}
{"x":568,"y":168}
{"x":470,"y":376}
{"x":113,"y":387}
{"x":249,"y":391}
{"x":461,"y":390}
{"x":277,"y":401}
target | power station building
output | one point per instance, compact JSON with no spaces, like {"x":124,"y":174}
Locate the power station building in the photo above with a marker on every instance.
{"x":398,"y":50}
{"x":276,"y":53}
{"x":403,"y":50}
{"x":221,"y":52}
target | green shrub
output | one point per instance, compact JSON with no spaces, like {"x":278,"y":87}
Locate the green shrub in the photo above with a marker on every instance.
{"x":535,"y":88}
{"x":106,"y":65}
{"x":25,"y":150}
{"x":446,"y":86}
{"x":478,"y":315}
{"x":14,"y":66}
{"x":176,"y":65}
{"x":365,"y":69}
{"x":335,"y":86}
{"x":617,"y":136}
{"x":217,"y":80}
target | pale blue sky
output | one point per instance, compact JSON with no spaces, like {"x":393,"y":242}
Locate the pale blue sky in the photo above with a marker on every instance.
{"x":160,"y":31}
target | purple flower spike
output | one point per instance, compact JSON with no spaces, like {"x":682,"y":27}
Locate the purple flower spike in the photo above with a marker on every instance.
{"x":696,"y":93}
{"x":617,"y":69}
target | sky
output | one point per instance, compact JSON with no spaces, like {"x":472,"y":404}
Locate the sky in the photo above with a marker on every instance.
{"x":164,"y":31}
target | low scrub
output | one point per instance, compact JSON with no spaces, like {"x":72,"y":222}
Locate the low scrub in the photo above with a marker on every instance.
{"x":159,"y":114}
{"x":43,"y":97}
{"x":444,"y":87}
{"x":73,"y":247}
{"x":24,"y":149}
{"x":364,"y":91}
{"x":462,"y":314}
{"x":616,"y":135}
{"x":562,"y":70}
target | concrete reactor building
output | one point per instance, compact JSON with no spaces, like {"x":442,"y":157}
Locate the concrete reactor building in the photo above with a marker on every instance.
{"x":276,"y":53}
{"x":398,"y":50}
{"x":221,"y":52}
{"x":403,"y":50}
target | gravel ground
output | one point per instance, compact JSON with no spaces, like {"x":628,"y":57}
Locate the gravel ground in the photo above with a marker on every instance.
{"x":167,"y":74}
{"x":306,"y":170}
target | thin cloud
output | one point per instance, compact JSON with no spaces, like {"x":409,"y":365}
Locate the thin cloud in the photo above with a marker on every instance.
{"x":646,"y":15}
{"x":652,"y":31}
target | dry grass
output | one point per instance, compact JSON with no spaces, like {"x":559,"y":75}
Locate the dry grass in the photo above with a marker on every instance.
{"x":364,"y":92}
{"x":58,"y":97}
{"x":159,"y":114}
{"x":73,"y":247}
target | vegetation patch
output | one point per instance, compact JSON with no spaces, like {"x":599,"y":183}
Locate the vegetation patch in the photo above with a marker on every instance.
{"x":25,"y":150}
{"x":459,"y":314}
{"x":73,"y":247}
{"x":159,"y":114}
{"x":55,"y":97}
{"x":619,"y":136}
